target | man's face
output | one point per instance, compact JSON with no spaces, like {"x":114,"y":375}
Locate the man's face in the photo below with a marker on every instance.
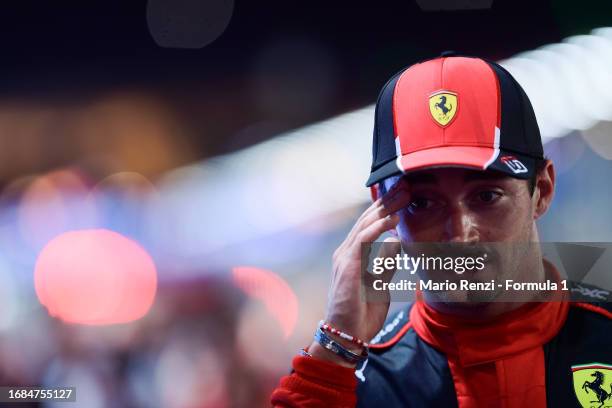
{"x":494,"y":212}
{"x":460,"y":205}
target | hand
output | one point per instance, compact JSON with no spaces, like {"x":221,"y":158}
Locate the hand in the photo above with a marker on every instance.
{"x":347,"y":310}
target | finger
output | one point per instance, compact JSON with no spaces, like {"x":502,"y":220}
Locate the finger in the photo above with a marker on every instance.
{"x":366,"y":213}
{"x":399,"y":197}
{"x":393,"y":204}
{"x":388,"y":196}
{"x":396,"y":198}
{"x":390,"y":248}
{"x":371,"y":207}
{"x":374,"y":230}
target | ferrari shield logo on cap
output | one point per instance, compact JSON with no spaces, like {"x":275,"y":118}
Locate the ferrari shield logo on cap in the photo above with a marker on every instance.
{"x":593,"y":384}
{"x":443,"y":107}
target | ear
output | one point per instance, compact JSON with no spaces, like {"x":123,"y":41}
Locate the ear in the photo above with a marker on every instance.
{"x":544,"y":190}
{"x":374,"y":192}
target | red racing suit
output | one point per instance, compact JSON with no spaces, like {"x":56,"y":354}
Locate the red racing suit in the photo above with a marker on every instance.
{"x":423,"y":358}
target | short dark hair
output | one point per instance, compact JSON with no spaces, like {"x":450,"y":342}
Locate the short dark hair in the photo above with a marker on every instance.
{"x":531,"y":182}
{"x":540,"y":165}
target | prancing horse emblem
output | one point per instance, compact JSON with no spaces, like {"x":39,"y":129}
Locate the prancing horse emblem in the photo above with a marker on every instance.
{"x":592,"y":385}
{"x":443,"y":107}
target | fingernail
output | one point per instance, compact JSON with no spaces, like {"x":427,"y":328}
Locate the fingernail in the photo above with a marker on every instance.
{"x":392,"y":217}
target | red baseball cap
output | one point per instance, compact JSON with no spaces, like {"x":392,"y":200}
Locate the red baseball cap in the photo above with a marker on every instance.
{"x":454,"y":111}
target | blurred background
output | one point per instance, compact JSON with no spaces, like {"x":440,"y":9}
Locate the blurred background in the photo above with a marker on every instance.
{"x":175,"y":175}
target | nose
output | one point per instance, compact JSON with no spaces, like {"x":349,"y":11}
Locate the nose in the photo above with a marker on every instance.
{"x":460,"y":226}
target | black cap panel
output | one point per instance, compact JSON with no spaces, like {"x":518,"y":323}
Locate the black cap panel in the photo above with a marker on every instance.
{"x":519,"y":131}
{"x":383,"y":148}
{"x":386,"y":170}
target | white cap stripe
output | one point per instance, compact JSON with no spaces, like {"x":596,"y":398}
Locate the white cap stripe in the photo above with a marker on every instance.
{"x":495,"y":149}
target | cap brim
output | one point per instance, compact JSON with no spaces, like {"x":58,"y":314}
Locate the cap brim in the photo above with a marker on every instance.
{"x":479,"y":158}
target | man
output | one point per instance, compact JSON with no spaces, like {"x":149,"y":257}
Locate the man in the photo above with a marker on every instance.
{"x":457,"y":158}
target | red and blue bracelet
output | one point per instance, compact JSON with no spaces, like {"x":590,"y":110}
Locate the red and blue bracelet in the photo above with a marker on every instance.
{"x":331,"y":329}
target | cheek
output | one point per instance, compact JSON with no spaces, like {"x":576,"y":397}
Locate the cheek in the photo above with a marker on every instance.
{"x":510,"y":221}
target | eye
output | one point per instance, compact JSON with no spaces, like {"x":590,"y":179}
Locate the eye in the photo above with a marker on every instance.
{"x":487,"y":196}
{"x":420,"y":204}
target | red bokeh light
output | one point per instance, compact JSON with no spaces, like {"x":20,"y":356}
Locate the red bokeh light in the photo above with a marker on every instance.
{"x":273,"y":291}
{"x":95,"y":277}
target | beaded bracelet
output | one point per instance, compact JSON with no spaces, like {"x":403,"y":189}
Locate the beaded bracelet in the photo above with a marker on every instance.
{"x":331,"y":329}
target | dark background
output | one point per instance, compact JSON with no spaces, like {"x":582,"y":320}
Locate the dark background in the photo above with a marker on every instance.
{"x":70,"y":51}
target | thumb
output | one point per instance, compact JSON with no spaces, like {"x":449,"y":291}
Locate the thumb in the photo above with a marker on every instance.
{"x":379,"y":300}
{"x":390,"y":248}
